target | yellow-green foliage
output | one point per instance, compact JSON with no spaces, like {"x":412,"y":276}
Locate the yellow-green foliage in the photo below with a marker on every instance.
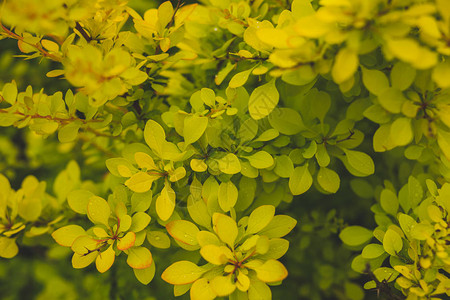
{"x":190,"y":123}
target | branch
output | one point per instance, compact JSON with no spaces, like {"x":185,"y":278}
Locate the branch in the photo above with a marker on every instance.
{"x":38,"y":46}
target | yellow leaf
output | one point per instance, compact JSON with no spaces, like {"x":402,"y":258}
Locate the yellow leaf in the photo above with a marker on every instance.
{"x":225,"y":228}
{"x":201,"y":290}
{"x":183,"y":231}
{"x":83,"y":244}
{"x":8,"y":247}
{"x":139,"y":258}
{"x":182,"y":272}
{"x":65,"y":236}
{"x":271,"y":271}
{"x":229,"y":164}
{"x":177,"y":174}
{"x":243,"y":282}
{"x":105,"y":260}
{"x":124,"y":171}
{"x":155,"y":137}
{"x":165,"y":203}
{"x":80,"y":261}
{"x":127,"y":241}
{"x":98,"y":210}
{"x":272,"y":36}
{"x":345,"y":65}
{"x":214,"y":254}
{"x":311,"y":27}
{"x":141,"y":182}
{"x":441,"y":74}
{"x":50,"y":45}
{"x":198,"y":165}
{"x":222,"y":285}
{"x":144,"y":161}
{"x":165,"y":12}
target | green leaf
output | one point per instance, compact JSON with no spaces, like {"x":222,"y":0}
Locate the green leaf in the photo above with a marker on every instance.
{"x":286,"y":121}
{"x":198,"y":211}
{"x":141,"y":201}
{"x":158,"y":239}
{"x":69,"y":132}
{"x":208,"y":97}
{"x":248,"y":130}
{"x":375,"y":81}
{"x":402,"y":75}
{"x":9,"y":92}
{"x":183,"y":231}
{"x":360,"y":161}
{"x":401,"y":131}
{"x":139,"y":221}
{"x":392,"y":100}
{"x":355,"y":235}
{"x":258,"y":290}
{"x":392,"y":242}
{"x":182,"y":272}
{"x":98,"y":210}
{"x":113,"y":165}
{"x":194,"y":127}
{"x":263,"y":100}
{"x":389,"y":202}
{"x":406,"y":223}
{"x":372,"y":251}
{"x":165,"y":203}
{"x":260,"y":160}
{"x":222,"y":74}
{"x":227,"y":196}
{"x":268,"y":135}
{"x":301,"y":180}
{"x":284,"y":167}
{"x":415,"y":192}
{"x":328,"y":180}
{"x":65,"y":236}
{"x":229,"y":164}
{"x":260,"y":218}
{"x":139,"y":258}
{"x":155,"y":137}
{"x":145,"y":275}
{"x":240,"y":78}
{"x":322,"y":156}
{"x":279,"y":226}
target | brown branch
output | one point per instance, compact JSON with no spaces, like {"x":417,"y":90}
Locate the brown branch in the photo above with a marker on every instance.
{"x":83,"y":32}
{"x":38,"y":46}
{"x":62,"y":121}
{"x":172,"y":20}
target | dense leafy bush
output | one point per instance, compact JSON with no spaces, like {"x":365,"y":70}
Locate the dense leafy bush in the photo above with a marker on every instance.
{"x":225,"y":149}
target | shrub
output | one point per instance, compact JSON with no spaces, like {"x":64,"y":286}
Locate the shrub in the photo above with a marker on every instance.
{"x":180,"y":129}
